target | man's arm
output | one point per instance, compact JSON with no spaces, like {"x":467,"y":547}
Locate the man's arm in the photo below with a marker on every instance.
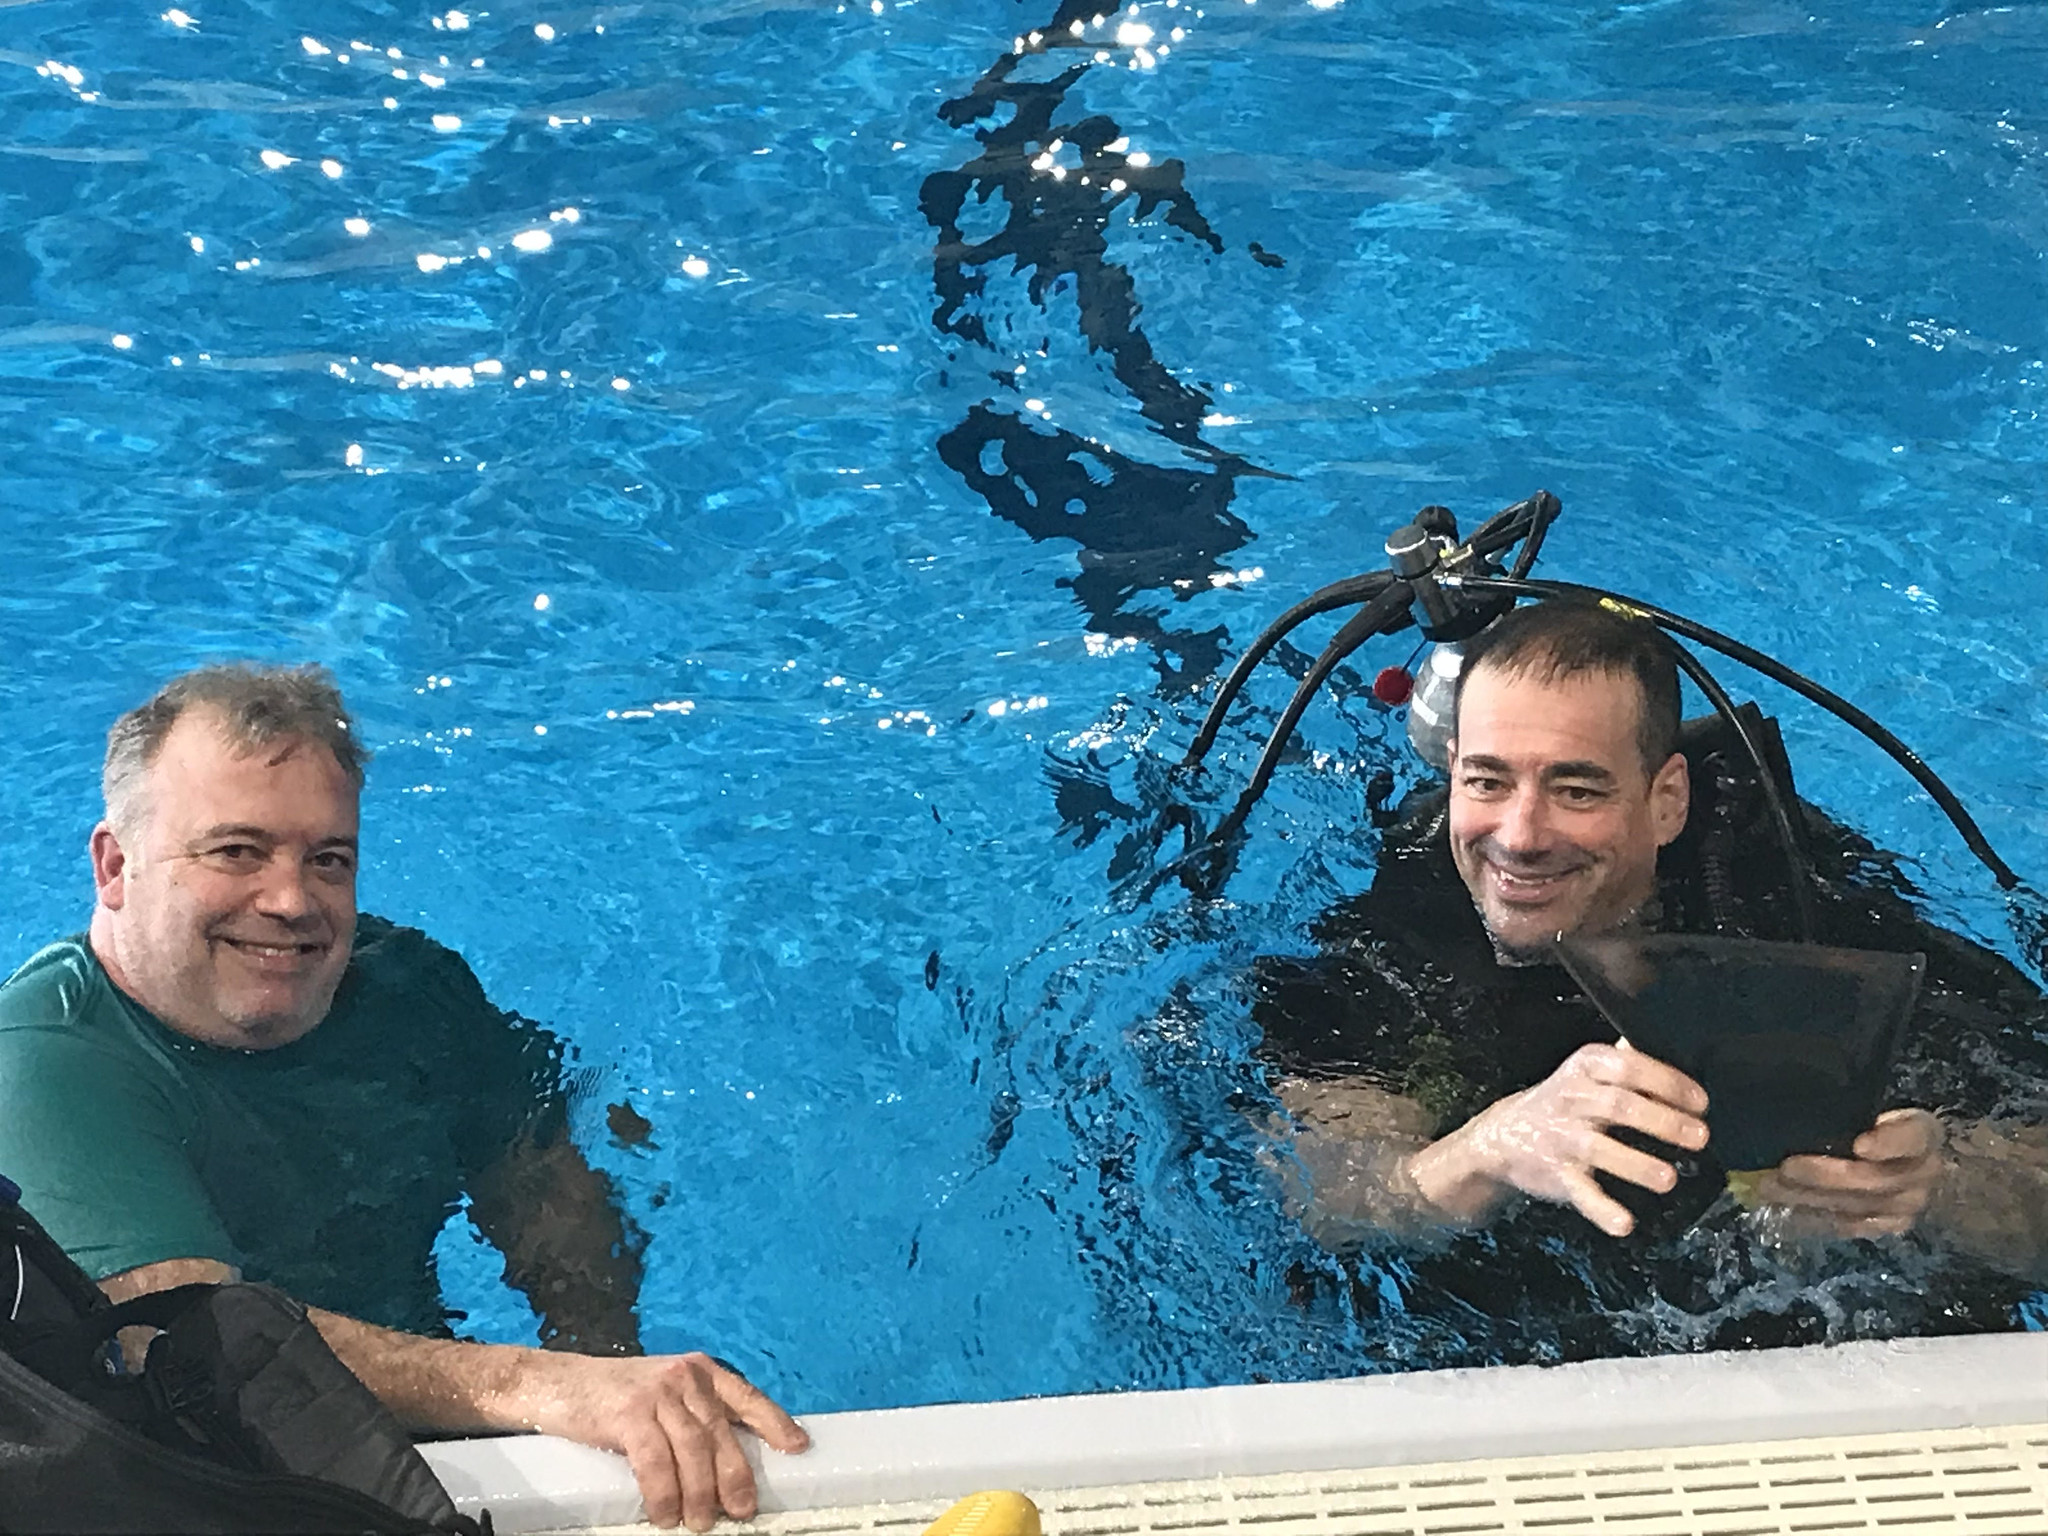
{"x":1546,"y":1142}
{"x":1353,"y":1140}
{"x":671,"y":1416}
{"x":1993,"y":1198}
{"x":557,"y":1222}
{"x":533,"y":1194}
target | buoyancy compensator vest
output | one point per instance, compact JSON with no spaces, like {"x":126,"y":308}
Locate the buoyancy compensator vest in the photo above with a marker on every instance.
{"x":241,"y":1419}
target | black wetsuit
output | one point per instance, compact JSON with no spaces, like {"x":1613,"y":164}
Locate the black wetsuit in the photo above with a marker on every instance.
{"x":1407,"y":993}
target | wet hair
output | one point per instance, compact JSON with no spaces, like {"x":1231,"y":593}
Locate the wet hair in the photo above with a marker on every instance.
{"x":1559,"y":638}
{"x":257,"y":707}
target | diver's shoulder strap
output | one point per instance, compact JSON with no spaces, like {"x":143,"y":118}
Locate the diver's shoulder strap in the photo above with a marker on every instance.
{"x":1707,"y":738}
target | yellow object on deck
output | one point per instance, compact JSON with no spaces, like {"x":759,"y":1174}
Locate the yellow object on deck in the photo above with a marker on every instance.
{"x":997,"y":1512}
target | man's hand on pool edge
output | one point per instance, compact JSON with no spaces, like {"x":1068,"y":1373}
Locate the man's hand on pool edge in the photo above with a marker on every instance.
{"x":672,"y":1417}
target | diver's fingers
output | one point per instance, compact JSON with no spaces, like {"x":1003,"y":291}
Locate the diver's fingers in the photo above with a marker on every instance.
{"x":1655,"y":1079}
{"x":1593,"y":1203}
{"x":1874,"y":1226}
{"x":1780,"y":1188}
{"x":1901,"y":1135}
{"x":1851,"y":1175}
{"x":1844,"y":1206}
{"x":1844,"y":1189}
{"x":1593,"y":1074}
{"x":1625,"y":1162}
{"x":1617,"y":1105}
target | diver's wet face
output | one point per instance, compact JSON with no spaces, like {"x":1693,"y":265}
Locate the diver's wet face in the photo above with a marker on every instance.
{"x":1555,"y":818}
{"x":229,"y":908}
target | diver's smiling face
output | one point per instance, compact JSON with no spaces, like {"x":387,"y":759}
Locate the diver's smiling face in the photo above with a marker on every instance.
{"x":229,"y":910}
{"x":1555,"y":820}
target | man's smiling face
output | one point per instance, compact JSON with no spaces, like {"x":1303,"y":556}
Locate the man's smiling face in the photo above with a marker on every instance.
{"x":229,"y":909}
{"x":1555,"y":818}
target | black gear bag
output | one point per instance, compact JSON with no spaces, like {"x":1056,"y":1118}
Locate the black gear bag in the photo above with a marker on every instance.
{"x":241,"y":1421}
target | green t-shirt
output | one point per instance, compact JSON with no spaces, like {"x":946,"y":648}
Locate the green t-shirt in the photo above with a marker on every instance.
{"x":326,"y":1167}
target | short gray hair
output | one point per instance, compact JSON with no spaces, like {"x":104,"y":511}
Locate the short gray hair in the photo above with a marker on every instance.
{"x":257,"y":706}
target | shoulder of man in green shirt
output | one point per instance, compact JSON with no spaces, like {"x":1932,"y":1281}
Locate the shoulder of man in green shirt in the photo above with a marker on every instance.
{"x":328,"y":1165}
{"x":96,"y":1129}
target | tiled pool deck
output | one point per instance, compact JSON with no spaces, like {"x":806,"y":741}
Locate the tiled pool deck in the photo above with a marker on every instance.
{"x":1917,"y":1436}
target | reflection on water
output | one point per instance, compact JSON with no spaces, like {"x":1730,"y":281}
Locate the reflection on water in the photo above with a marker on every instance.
{"x":1057,"y":183}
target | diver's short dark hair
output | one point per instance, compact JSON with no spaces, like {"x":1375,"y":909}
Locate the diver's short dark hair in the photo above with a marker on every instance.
{"x":257,"y":705}
{"x":1560,"y":637}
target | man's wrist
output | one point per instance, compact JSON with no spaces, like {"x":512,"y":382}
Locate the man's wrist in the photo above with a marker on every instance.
{"x":525,"y":1389}
{"x":1450,"y":1177}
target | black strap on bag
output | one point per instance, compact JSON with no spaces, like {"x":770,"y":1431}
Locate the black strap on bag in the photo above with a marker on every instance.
{"x":241,"y":1421}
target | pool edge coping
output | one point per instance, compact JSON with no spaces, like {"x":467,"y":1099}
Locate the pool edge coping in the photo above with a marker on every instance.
{"x":903,"y":1455}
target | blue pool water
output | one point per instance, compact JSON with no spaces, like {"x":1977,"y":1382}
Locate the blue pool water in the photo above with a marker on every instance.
{"x":723,"y":674}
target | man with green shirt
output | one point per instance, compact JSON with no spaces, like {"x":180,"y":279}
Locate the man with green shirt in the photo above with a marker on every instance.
{"x":230,"y":1072}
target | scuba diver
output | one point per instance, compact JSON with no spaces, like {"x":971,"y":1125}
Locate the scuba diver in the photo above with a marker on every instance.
{"x":1455,"y":1090}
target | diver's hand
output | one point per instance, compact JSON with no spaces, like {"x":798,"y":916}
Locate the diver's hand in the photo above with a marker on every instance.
{"x":1548,"y":1141}
{"x":672,"y":1417}
{"x":1884,"y":1188}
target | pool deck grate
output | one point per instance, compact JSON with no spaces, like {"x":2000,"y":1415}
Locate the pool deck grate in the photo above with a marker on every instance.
{"x":1985,"y":1482}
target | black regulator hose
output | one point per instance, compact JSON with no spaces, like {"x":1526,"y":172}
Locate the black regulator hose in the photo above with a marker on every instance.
{"x":1386,"y":612}
{"x":1795,"y":857}
{"x":1778,"y":672}
{"x":1525,"y":520}
{"x":1544,"y":508}
{"x":1339,"y":594}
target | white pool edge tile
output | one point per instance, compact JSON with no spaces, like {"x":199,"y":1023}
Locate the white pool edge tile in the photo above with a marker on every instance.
{"x":537,"y":1483}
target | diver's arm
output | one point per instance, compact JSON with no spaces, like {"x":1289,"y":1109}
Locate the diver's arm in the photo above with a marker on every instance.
{"x":566,"y":1245}
{"x":1353,"y":1141}
{"x":1351,"y":1106}
{"x":1993,"y":1198}
{"x":1373,"y":1163}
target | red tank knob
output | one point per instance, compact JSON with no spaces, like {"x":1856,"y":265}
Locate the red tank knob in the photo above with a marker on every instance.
{"x":1393,"y":685}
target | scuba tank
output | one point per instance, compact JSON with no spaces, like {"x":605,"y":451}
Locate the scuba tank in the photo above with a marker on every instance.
{"x":1431,"y":706}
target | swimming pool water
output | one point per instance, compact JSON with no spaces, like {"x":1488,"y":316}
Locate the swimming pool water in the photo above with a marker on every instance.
{"x":772,"y":653}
